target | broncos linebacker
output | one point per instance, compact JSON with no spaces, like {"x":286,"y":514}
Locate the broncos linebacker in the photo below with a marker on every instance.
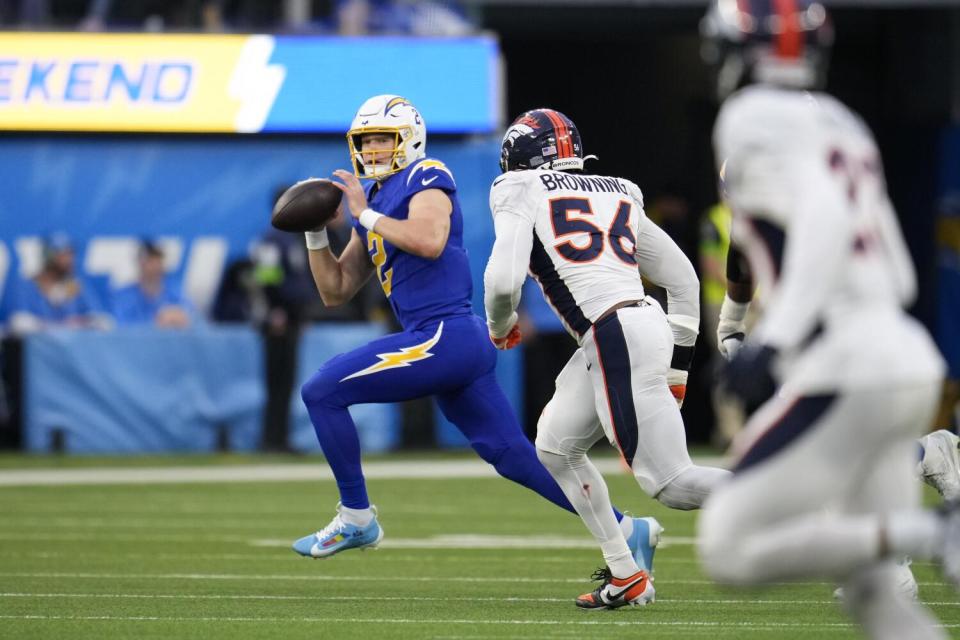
{"x":586,"y":241}
{"x":408,"y":233}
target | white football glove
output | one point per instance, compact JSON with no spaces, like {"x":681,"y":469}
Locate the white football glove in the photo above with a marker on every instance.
{"x":732,"y":327}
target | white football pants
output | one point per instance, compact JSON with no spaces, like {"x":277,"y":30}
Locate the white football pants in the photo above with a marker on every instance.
{"x":616,"y":385}
{"x":818,"y":478}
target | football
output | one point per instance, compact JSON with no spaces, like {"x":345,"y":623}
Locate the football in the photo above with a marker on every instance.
{"x":307,"y":205}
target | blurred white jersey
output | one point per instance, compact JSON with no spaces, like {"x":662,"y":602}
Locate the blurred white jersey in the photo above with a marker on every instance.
{"x":805,"y":181}
{"x":590,"y":234}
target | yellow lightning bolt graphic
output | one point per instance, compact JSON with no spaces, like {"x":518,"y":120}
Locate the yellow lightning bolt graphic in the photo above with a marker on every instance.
{"x":402,"y":358}
{"x":427,"y":164}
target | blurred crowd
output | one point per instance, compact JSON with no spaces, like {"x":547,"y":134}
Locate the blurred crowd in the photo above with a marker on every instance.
{"x":271,"y":288}
{"x":344,"y":17}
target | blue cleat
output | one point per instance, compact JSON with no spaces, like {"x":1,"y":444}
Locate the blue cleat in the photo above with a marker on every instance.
{"x":339,"y":536}
{"x":643,"y":536}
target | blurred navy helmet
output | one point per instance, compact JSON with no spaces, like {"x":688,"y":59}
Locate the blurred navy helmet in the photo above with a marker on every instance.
{"x":542,"y":139}
{"x":779,"y":42}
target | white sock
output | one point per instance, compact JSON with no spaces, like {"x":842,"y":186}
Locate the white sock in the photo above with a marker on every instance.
{"x":585,"y":488}
{"x":918,"y":534}
{"x":356,"y":517}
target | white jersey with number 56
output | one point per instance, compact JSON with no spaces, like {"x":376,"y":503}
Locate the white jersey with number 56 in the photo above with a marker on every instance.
{"x":587,"y":236}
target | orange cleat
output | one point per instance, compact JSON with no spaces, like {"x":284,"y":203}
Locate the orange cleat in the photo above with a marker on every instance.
{"x":635,"y":591}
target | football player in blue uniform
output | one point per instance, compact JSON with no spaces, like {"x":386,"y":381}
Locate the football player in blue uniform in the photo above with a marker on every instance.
{"x":408,"y":230}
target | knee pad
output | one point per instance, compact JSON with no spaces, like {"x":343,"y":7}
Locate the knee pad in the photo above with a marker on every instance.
{"x":678,"y":497}
{"x":514,"y":460}
{"x":690,"y":488}
{"x":321,"y":389}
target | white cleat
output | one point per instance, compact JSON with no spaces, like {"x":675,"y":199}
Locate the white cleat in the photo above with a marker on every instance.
{"x":906,"y":584}
{"x":940,"y":467}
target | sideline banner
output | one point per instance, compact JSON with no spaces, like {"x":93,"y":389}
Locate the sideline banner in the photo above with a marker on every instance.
{"x":204,"y":83}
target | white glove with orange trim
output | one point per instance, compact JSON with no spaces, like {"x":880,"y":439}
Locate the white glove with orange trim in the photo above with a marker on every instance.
{"x":677,"y":381}
{"x":508,"y":341}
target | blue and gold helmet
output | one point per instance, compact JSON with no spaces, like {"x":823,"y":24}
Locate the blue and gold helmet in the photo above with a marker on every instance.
{"x":542,"y":139}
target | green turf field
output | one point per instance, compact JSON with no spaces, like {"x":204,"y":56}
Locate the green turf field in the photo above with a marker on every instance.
{"x":463,"y":559}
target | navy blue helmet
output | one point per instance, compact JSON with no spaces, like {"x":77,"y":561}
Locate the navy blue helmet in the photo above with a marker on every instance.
{"x":779,"y":42}
{"x":542,"y":139}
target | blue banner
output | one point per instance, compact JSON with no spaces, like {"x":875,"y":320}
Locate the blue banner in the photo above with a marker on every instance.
{"x":455,"y":83}
{"x":206,"y":199}
{"x":143,"y":390}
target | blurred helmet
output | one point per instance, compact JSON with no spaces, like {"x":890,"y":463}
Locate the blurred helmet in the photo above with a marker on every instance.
{"x":779,"y":42}
{"x":542,"y":139}
{"x":393,"y":116}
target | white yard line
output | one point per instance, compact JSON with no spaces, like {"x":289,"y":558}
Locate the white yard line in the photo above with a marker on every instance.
{"x":340,"y":578}
{"x":269,"y":597}
{"x":442,"y":621}
{"x":399,"y":469}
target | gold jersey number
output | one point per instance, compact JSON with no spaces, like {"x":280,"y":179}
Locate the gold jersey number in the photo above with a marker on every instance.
{"x":379,"y":257}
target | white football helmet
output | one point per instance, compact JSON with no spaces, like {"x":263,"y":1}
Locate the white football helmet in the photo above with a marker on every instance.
{"x":395,"y":116}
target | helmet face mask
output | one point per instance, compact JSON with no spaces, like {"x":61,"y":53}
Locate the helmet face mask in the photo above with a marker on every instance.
{"x":542,"y":139}
{"x":775,"y":42}
{"x":392,"y":116}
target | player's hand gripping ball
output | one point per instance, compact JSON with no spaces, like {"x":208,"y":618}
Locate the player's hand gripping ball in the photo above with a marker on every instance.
{"x":306,"y":206}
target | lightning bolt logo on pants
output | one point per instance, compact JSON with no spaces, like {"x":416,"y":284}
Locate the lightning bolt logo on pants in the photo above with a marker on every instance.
{"x":402,"y":358}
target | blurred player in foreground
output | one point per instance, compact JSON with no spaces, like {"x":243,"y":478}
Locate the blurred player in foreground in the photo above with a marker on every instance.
{"x":583,"y":238}
{"x":414,"y":244}
{"x":823,"y":483}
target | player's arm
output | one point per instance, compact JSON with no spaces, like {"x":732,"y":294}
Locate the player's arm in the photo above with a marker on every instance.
{"x":664,"y":263}
{"x":732,"y":326}
{"x":425,"y":231}
{"x":338,"y":280}
{"x":503,"y":278}
{"x":818,"y":239}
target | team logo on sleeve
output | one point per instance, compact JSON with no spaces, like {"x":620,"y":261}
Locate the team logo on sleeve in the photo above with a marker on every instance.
{"x":403,"y":358}
{"x":429,"y":164}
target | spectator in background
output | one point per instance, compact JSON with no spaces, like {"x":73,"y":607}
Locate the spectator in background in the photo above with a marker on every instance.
{"x":279,"y":263}
{"x":55,"y":296}
{"x":154,"y":298}
{"x":439,"y":18}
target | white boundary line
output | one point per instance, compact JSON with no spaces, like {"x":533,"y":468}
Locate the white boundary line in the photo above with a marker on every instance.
{"x":397,"y":469}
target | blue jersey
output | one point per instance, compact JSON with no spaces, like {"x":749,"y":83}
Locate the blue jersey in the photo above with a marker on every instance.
{"x":421,"y":291}
{"x":133,"y":305}
{"x":76,"y":302}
